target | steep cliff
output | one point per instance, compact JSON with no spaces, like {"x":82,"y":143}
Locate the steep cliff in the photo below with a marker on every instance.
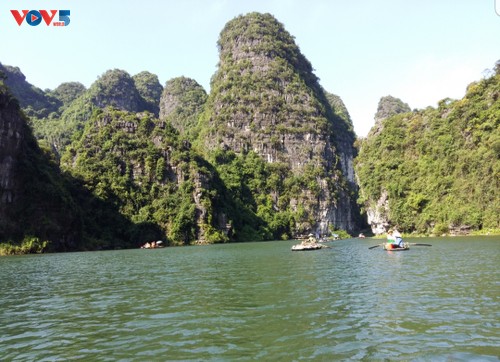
{"x":265,"y":99}
{"x":44,"y":209}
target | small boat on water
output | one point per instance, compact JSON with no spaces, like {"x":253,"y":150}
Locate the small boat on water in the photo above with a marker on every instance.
{"x":392,"y":247}
{"x":389,"y":247}
{"x":153,"y":245}
{"x":307,"y":246}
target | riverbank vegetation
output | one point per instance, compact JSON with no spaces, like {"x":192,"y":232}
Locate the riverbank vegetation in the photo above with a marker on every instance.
{"x":29,"y":245}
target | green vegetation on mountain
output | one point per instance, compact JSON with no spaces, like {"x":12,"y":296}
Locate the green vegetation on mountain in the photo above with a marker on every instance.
{"x":67,"y":93}
{"x":141,"y":166}
{"x":150,"y":90}
{"x":181,"y":104}
{"x":390,"y":106}
{"x":339,"y":108}
{"x":266,"y":104}
{"x":42,"y":208}
{"x":115,"y":88}
{"x":439,"y":168}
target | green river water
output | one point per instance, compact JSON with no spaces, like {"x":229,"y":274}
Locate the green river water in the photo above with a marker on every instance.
{"x":256,"y":302}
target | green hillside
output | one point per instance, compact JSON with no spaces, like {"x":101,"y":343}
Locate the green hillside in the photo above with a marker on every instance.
{"x":437,"y":169}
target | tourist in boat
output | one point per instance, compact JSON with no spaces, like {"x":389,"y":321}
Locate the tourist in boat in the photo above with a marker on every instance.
{"x":153,"y":245}
{"x":310,"y":240}
{"x":391,"y":240}
{"x":398,"y":238}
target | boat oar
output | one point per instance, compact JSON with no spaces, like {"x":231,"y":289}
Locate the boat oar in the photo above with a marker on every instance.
{"x":376,"y":246}
{"x":417,"y":244}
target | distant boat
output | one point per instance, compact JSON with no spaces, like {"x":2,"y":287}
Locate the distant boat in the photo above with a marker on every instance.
{"x":307,"y":246}
{"x":153,"y":245}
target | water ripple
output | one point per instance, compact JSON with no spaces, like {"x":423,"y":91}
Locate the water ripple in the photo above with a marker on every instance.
{"x":256,"y":301}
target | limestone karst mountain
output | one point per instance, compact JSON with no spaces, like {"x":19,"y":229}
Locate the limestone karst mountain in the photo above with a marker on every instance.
{"x":266,"y":99}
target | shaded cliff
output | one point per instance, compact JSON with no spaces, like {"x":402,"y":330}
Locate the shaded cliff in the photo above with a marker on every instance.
{"x":266,"y":100}
{"x":42,"y":208}
{"x":32,"y":199}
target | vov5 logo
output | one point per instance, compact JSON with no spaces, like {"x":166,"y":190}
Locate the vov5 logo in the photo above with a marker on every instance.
{"x":35,"y":17}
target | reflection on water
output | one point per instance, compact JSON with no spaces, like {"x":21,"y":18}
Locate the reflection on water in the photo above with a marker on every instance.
{"x":255,"y":301}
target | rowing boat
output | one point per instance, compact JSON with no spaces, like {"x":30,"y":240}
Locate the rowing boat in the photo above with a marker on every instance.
{"x":308,"y":246}
{"x":406,"y":246}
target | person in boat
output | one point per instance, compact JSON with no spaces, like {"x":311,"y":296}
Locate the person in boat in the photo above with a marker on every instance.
{"x":391,"y":240}
{"x":398,"y":238}
{"x":310,"y":240}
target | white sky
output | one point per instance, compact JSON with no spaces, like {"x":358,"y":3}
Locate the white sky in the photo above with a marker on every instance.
{"x":418,"y":50}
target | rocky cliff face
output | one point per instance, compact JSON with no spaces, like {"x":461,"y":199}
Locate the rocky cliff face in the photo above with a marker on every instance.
{"x":266,"y":99}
